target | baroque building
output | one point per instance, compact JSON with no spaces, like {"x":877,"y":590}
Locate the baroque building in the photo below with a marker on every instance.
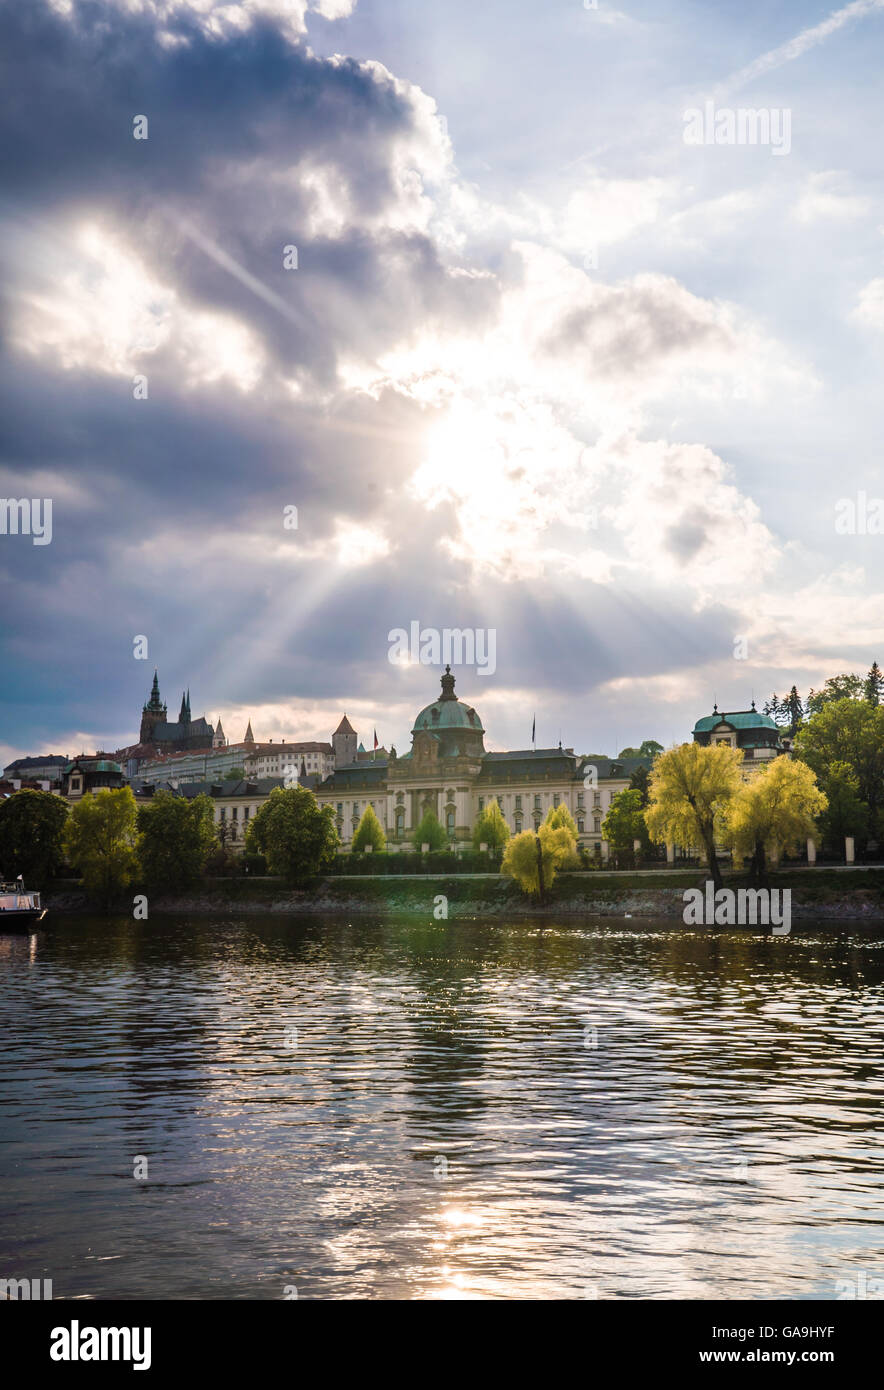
{"x":756,"y":735}
{"x":448,"y":771}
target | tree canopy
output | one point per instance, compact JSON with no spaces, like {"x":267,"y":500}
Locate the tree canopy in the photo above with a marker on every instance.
{"x":297,"y":839}
{"x":520,"y":859}
{"x":101,"y":841}
{"x":690,"y":786}
{"x":772,"y":813}
{"x":491,"y":828}
{"x":369,"y":831}
{"x":430,"y":832}
{"x":31,"y":828}
{"x":176,"y":837}
{"x":848,"y":732}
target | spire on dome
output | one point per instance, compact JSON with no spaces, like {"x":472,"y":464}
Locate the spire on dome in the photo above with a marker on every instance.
{"x":448,"y":685}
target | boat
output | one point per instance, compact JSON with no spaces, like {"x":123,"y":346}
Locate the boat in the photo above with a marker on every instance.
{"x":20,"y":909}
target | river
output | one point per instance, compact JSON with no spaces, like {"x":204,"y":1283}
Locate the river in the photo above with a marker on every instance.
{"x":275,"y":1106}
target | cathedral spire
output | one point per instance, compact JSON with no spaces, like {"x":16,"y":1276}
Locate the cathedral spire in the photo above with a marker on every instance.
{"x":250,"y":737}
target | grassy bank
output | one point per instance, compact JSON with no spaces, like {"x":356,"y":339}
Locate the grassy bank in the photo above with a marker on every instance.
{"x":815,"y":893}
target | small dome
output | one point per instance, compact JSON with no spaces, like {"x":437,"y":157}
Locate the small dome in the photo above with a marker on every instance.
{"x":447,"y":712}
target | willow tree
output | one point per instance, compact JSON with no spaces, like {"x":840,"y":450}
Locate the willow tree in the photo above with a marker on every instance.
{"x":533,"y":860}
{"x":691,"y":785}
{"x":774,"y":812}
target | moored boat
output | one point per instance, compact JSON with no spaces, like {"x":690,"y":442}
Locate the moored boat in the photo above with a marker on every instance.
{"x":20,"y":909}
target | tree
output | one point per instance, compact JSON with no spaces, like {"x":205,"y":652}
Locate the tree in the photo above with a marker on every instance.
{"x":650,"y":748}
{"x":774,"y":709}
{"x":176,"y":838}
{"x":640,"y":782}
{"x":235,"y":774}
{"x":846,"y":813}
{"x":772,"y":813}
{"x":874,"y":686}
{"x":101,"y":840}
{"x":533,"y":860}
{"x":560,"y":818}
{"x":793,"y":710}
{"x":625,"y":823}
{"x":430,"y":832}
{"x":690,"y":786}
{"x":369,"y":831}
{"x":844,"y":687}
{"x":848,"y":731}
{"x":491,"y":828}
{"x":31,"y":828}
{"x":296,"y":838}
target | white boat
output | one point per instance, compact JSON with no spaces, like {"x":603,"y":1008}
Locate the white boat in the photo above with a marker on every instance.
{"x":20,"y":909}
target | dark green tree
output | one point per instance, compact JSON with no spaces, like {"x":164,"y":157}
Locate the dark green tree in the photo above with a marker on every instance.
{"x":176,"y":838}
{"x":31,"y":828}
{"x":640,"y":782}
{"x":874,"y":686}
{"x":297,"y":839}
{"x":851,"y":732}
{"x":847,"y":686}
{"x":793,"y":710}
{"x":430,"y":832}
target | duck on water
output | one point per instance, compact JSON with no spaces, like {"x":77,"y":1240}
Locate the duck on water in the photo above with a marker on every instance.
{"x":20,"y":909}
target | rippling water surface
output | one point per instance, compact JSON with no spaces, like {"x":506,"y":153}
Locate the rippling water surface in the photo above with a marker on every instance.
{"x":456,"y":1109}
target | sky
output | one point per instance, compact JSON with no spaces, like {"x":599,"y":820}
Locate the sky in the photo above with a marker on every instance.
{"x":458,"y":284}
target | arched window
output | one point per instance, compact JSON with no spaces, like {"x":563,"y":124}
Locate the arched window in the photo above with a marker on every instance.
{"x":449,"y":821}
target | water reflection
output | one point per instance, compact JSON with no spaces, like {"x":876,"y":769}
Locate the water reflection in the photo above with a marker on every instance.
{"x":441,"y":1110}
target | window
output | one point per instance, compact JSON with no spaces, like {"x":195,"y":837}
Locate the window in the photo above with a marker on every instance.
{"x":223,"y":812}
{"x":580,"y":801}
{"x":518,"y":825}
{"x":400,"y":822}
{"x":596,"y":824}
{"x":481,"y":804}
{"x":449,"y":822}
{"x":537,"y":803}
{"x":580,"y":827}
{"x":555,"y":799}
{"x":518,"y":803}
{"x":245,"y":813}
{"x":596,"y":798}
{"x":234,"y":813}
{"x":340,"y":808}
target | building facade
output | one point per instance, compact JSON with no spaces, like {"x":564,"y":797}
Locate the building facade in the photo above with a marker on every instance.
{"x":756,"y":735}
{"x":447,"y":771}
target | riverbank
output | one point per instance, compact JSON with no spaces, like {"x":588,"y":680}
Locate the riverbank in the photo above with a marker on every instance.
{"x":816,"y":893}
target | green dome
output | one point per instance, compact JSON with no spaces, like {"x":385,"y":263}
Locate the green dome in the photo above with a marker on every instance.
{"x":447,"y":712}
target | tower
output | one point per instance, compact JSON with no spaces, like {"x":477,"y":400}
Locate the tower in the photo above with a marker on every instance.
{"x":344,"y":743}
{"x":154,"y":712}
{"x":218,"y":738}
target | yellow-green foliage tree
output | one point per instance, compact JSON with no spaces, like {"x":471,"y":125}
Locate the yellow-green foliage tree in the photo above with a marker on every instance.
{"x":772,"y":813}
{"x":491,"y":828}
{"x":101,"y":841}
{"x":369,"y":831}
{"x":690,"y":787}
{"x":535,"y":871}
{"x":560,"y":818}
